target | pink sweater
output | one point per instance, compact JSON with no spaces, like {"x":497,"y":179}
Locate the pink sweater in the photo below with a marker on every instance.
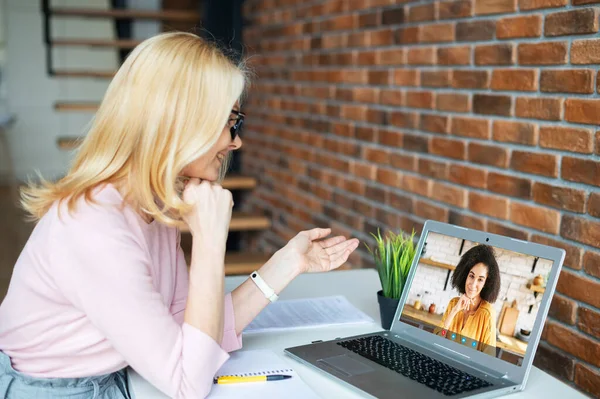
{"x":101,"y":289}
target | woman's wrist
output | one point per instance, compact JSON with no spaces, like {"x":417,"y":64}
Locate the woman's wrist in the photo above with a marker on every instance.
{"x":278,"y":273}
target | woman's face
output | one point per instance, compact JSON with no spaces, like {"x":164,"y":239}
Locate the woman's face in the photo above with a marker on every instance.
{"x":476,"y":280}
{"x":208,"y":165}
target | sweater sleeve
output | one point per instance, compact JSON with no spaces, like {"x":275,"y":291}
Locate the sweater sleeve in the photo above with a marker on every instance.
{"x":102,"y":268}
{"x":231,"y":340}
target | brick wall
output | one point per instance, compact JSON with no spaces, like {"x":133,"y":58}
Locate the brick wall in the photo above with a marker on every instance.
{"x":482,"y":113}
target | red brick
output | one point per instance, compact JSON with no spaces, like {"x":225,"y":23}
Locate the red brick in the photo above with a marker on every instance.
{"x":568,"y":81}
{"x":536,"y":217}
{"x":408,"y":35}
{"x":570,"y":199}
{"x":567,"y":139}
{"x":585,"y":52}
{"x":470,"y":79}
{"x":549,"y":53}
{"x":421,"y":13}
{"x":537,"y":4}
{"x":591,"y":263}
{"x":598,"y":142}
{"x":539,"y":108}
{"x":468,"y":176}
{"x":563,"y":309}
{"x":437,"y":170}
{"x":470,"y":222}
{"x":417,"y":185}
{"x":363,"y":170}
{"x":515,"y":79}
{"x":515,"y":132}
{"x":577,"y":344}
{"x":582,"y":111}
{"x":390,"y":138}
{"x":383,"y":37}
{"x":437,"y":32}
{"x":367,"y":134}
{"x":454,"y":9}
{"x":379,"y":77}
{"x":428,"y":211}
{"x":393,"y":16}
{"x":341,"y":22}
{"x":594,"y":205}
{"x":406,"y":77}
{"x":488,"y":155}
{"x":581,"y":2}
{"x":367,"y":58}
{"x":420,"y":99}
{"x":468,"y":127}
{"x":435,"y":123}
{"x":449,"y":194}
{"x":573,"y":252}
{"x":447,"y":148}
{"x":453,"y":102}
{"x":415,"y":143}
{"x":589,"y":322}
{"x":401,"y":202}
{"x":488,"y":205}
{"x":393,"y":56}
{"x":575,"y":22}
{"x":490,"y":104}
{"x":392,"y":97}
{"x":581,"y":230}
{"x":483,"y":7}
{"x":376,"y":155}
{"x":555,"y":362}
{"x":497,"y":228}
{"x":403,"y":161}
{"x":403,"y":119}
{"x":495,"y":54}
{"x":454,"y":55}
{"x":421,"y":56}
{"x":365,"y":94}
{"x":517,"y":27}
{"x":579,"y":288}
{"x":539,"y":164}
{"x":587,"y":379}
{"x":509,"y":185}
{"x":580,"y":170}
{"x":475,"y":31}
{"x":436,"y":78}
{"x":388,"y":177}
{"x":369,"y":20}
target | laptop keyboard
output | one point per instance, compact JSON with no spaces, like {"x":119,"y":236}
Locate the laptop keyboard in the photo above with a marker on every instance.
{"x":414,"y":365}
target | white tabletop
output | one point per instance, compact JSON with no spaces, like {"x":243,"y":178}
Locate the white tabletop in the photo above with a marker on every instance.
{"x":360,"y":287}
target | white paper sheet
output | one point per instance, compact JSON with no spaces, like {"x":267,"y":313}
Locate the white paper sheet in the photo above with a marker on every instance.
{"x":306,"y":313}
{"x":260,"y":362}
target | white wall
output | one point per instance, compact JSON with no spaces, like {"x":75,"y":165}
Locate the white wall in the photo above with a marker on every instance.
{"x":515,"y":270}
{"x":31,"y":93}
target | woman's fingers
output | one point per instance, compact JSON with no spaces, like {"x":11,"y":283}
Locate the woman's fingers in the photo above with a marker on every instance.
{"x":330,"y":242}
{"x":341,"y":246}
{"x":341,"y":257}
{"x":316,"y":234}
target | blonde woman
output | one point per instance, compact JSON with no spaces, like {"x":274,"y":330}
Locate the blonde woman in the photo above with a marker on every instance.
{"x":102,"y":282}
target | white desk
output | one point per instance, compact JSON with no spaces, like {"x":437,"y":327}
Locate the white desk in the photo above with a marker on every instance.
{"x":360,"y":287}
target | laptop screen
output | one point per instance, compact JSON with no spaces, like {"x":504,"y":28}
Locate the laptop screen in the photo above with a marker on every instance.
{"x":479,"y":296}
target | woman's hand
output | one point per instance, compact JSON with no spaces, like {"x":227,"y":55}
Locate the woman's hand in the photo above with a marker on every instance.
{"x":464,"y":303}
{"x":209,"y":218}
{"x":312,"y":256}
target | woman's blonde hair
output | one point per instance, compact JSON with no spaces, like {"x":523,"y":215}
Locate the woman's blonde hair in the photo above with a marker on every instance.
{"x":166,"y":106}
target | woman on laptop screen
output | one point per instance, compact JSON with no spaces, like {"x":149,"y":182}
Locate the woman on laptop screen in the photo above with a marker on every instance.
{"x":471,"y":315}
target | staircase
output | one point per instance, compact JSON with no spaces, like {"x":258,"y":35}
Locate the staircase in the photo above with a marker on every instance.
{"x":236,"y":261}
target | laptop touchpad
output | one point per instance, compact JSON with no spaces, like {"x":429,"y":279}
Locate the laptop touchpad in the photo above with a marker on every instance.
{"x":346,"y":365}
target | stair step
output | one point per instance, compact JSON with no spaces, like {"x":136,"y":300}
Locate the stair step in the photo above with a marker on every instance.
{"x":123,"y":44}
{"x":65,"y":73}
{"x":79,"y":106}
{"x":163,"y":15}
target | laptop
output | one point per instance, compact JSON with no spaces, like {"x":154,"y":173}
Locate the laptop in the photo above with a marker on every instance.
{"x":490,"y":297}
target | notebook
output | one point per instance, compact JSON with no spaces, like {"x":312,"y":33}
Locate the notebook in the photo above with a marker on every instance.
{"x":260,"y":362}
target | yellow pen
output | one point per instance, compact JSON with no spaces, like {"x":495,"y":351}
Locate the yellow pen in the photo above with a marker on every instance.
{"x":232,"y":379}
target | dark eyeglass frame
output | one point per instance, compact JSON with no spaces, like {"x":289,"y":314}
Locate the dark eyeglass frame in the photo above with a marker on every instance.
{"x":239,"y":122}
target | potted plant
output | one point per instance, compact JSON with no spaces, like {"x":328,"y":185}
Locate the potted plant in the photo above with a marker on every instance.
{"x":393,"y":255}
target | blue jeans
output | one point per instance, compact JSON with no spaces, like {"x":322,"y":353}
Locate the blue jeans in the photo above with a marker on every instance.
{"x":16,"y":385}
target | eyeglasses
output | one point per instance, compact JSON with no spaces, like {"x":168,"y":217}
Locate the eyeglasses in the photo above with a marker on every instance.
{"x":239,"y":122}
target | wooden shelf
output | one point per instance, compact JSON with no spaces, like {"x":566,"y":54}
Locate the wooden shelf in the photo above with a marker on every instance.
{"x":536,"y":288}
{"x":241,"y":221}
{"x":162,"y":15}
{"x":65,"y":73}
{"x":80,"y":106}
{"x":122,"y":44}
{"x":437,"y":264}
{"x":236,"y":182}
